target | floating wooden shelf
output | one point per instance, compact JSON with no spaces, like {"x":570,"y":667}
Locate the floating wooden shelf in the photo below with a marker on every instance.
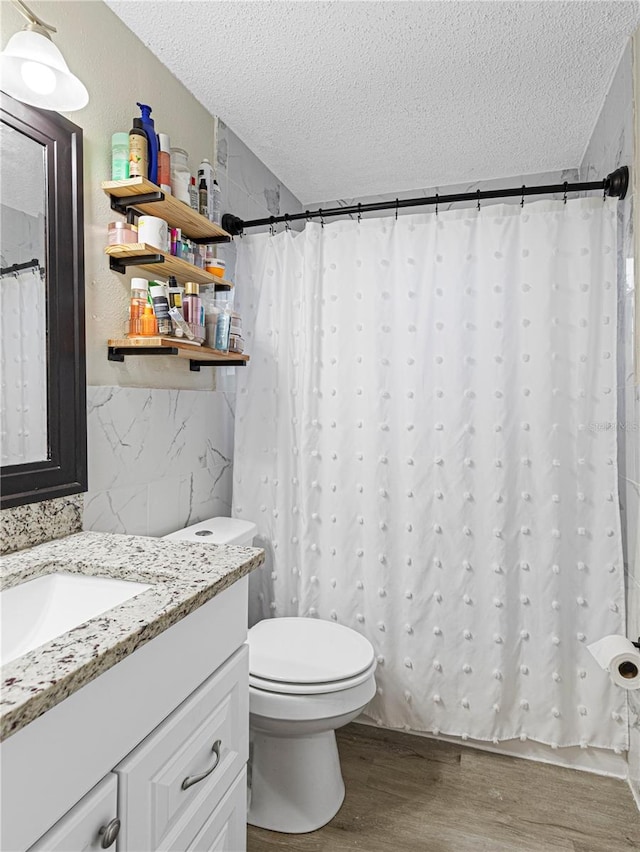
{"x":160,"y":263}
{"x":154,"y":202}
{"x":198,"y":356}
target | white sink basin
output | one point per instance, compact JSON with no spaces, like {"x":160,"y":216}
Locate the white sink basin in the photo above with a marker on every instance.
{"x":39,"y":610}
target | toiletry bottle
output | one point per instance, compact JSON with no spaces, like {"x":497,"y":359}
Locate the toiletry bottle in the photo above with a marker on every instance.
{"x":180,"y":175}
{"x":176,"y":293}
{"x":152,"y":142}
{"x":148,"y":322}
{"x":211,"y":312}
{"x":158,"y":293}
{"x":205,"y":170}
{"x":193,"y":194}
{"x":175,"y":241}
{"x":215,"y":203}
{"x":223,"y":325}
{"x":164,"y":162}
{"x":181,"y":327}
{"x":192,"y":304}
{"x":137,"y":150}
{"x":139,"y":296}
{"x":120,"y":156}
{"x":203,"y":200}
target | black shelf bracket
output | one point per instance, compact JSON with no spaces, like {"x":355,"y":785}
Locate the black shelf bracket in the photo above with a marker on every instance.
{"x":119,"y":264}
{"x":127,"y":204}
{"x":118,"y":353}
{"x":194,"y":366}
{"x":205,"y":241}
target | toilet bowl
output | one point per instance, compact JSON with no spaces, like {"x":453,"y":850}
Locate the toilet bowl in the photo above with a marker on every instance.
{"x":307,"y":678}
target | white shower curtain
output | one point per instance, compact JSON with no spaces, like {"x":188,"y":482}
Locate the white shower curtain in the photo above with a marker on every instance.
{"x":23,"y":363}
{"x":426,"y":439}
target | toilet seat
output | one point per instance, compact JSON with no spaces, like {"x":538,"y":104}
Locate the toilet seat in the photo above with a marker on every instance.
{"x":307,"y":655}
{"x":288,"y":688}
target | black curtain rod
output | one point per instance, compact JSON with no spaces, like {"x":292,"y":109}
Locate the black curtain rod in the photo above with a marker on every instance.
{"x":18,"y":267}
{"x":614,"y":185}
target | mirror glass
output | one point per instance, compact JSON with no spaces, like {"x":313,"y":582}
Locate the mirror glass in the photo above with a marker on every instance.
{"x":23,"y":304}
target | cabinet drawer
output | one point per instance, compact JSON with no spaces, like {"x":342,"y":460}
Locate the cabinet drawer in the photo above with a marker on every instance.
{"x":79,"y":829}
{"x":172,"y":782}
{"x":226,"y":828}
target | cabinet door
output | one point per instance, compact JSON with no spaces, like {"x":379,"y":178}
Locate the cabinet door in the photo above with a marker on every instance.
{"x":80,"y":829}
{"x":226,"y":828}
{"x":172,"y":782}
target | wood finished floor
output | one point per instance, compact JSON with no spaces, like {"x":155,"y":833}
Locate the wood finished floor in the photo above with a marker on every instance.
{"x":410,"y":794}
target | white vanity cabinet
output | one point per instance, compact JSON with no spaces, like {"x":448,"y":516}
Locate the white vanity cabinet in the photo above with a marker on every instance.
{"x":168,"y":785}
{"x":89,"y":826}
{"x":158,"y":741}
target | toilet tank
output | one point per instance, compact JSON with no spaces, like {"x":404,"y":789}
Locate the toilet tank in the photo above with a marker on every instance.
{"x":217,"y":531}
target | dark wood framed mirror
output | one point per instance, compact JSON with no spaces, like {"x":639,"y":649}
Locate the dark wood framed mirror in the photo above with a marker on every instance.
{"x":43,"y":400}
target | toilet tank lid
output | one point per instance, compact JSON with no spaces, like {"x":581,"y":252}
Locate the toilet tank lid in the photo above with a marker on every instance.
{"x":217,"y":531}
{"x":307,"y":650}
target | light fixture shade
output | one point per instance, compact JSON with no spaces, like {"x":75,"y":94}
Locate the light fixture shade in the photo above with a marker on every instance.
{"x":33,"y":71}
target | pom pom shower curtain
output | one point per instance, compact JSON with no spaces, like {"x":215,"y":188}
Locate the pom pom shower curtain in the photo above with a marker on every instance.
{"x":425,"y":436}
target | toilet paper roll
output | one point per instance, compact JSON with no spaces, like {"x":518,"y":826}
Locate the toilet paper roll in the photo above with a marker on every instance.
{"x":619,"y":656}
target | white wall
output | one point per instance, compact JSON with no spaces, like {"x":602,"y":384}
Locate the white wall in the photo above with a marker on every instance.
{"x":612,"y":145}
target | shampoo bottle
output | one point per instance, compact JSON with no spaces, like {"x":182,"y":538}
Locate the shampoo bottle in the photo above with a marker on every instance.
{"x":152,"y":142}
{"x":137,"y":150}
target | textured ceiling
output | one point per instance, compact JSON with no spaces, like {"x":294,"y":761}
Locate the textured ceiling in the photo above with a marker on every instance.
{"x":347,"y":99}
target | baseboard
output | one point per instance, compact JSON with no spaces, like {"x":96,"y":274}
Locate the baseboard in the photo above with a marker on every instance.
{"x":598,"y":761}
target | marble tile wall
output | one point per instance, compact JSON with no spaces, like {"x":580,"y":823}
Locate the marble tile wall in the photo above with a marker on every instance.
{"x":249,"y":189}
{"x":159,"y":460}
{"x":612,"y":145}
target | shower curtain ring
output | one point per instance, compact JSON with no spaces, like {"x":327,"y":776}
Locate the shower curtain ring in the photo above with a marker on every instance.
{"x":321,"y":217}
{"x":565,"y":191}
{"x":287,"y":226}
{"x":522,"y":199}
{"x":478,"y":200}
{"x":359,"y":212}
{"x":437,"y":197}
{"x":272,"y":227}
{"x":396,"y":209}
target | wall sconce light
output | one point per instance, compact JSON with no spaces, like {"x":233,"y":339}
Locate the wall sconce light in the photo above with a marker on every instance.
{"x":33,"y":70}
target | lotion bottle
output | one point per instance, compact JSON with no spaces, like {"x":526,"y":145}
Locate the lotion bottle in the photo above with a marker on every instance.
{"x":152,"y":142}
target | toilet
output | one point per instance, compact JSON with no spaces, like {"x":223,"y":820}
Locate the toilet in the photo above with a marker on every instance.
{"x":307,"y":677}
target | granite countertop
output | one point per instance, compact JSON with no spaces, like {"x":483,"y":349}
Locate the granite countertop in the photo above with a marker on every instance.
{"x":184,"y":575}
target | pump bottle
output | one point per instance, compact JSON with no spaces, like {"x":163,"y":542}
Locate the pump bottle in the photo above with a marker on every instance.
{"x":152,"y":142}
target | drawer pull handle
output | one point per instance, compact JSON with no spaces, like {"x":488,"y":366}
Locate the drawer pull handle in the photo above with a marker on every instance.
{"x":193,"y":779}
{"x":109,"y":833}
